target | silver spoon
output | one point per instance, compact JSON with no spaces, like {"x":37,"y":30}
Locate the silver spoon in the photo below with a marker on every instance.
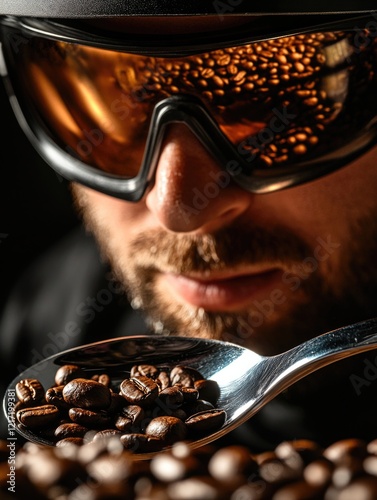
{"x":247,"y":380}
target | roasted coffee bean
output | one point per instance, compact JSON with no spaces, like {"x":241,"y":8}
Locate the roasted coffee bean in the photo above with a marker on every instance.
{"x":298,"y":453}
{"x":68,"y":430}
{"x":135,"y":413}
{"x":141,"y":443}
{"x":206,"y":421}
{"x":372,"y":447}
{"x":196,"y":488}
{"x":54,"y":396}
{"x":48,"y":431}
{"x":94,"y":449}
{"x":140,"y":390}
{"x":171,"y":397}
{"x":276,"y":471}
{"x":115,"y":468}
{"x":232,"y":462}
{"x":346,"y":448}
{"x":125,"y":424}
{"x":168,"y":467}
{"x":184,"y":375}
{"x":88,"y":394}
{"x":66,"y":373}
{"x":370,"y":465}
{"x":163,"y":380}
{"x":103,"y":378}
{"x":130,"y":418}
{"x":150,"y":371}
{"x":346,"y":471}
{"x":265,"y":456}
{"x":168,"y":429}
{"x":208,"y":390}
{"x":198,"y":406}
{"x":38,"y":416}
{"x":29,"y":390}
{"x":19,"y":406}
{"x":319,"y":472}
{"x":89,"y":418}
{"x":190,"y":395}
{"x":105,"y":434}
{"x":69,"y":441}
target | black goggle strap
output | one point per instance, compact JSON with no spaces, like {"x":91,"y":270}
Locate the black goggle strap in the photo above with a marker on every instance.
{"x":177,"y":45}
{"x":95,"y":8}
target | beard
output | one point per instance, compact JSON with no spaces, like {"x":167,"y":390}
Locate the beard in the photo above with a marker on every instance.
{"x":229,"y":249}
{"x":316,"y":294}
{"x":310,"y":305}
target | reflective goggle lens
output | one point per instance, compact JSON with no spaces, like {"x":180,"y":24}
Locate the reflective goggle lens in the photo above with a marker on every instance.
{"x":286,"y":101}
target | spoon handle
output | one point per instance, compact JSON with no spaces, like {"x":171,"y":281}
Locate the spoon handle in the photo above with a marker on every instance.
{"x":323,"y":350}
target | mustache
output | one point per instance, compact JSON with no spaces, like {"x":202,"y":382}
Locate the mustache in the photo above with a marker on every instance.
{"x":228,"y":248}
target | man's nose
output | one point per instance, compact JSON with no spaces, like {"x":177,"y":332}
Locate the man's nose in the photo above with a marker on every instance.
{"x":191,"y":193}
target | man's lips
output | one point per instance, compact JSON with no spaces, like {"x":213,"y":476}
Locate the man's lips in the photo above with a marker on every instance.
{"x":220,"y":292}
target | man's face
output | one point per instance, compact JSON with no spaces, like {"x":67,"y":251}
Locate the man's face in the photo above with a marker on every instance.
{"x":206,"y":258}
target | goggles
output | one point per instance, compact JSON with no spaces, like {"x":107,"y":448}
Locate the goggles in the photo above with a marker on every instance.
{"x":274,"y":111}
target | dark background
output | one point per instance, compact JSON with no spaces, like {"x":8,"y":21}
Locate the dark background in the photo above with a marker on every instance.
{"x":35,"y":203}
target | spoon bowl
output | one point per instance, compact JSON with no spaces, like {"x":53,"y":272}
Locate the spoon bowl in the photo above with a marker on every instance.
{"x":247,"y":381}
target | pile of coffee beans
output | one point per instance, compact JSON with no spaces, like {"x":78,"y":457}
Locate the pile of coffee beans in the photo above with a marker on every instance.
{"x":149,"y":411}
{"x":103,"y":470}
{"x":312,"y":77}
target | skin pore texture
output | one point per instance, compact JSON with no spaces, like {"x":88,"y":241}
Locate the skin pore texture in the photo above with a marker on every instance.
{"x":265,"y":271}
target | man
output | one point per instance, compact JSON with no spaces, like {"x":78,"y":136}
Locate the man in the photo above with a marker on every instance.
{"x":225,"y":166}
